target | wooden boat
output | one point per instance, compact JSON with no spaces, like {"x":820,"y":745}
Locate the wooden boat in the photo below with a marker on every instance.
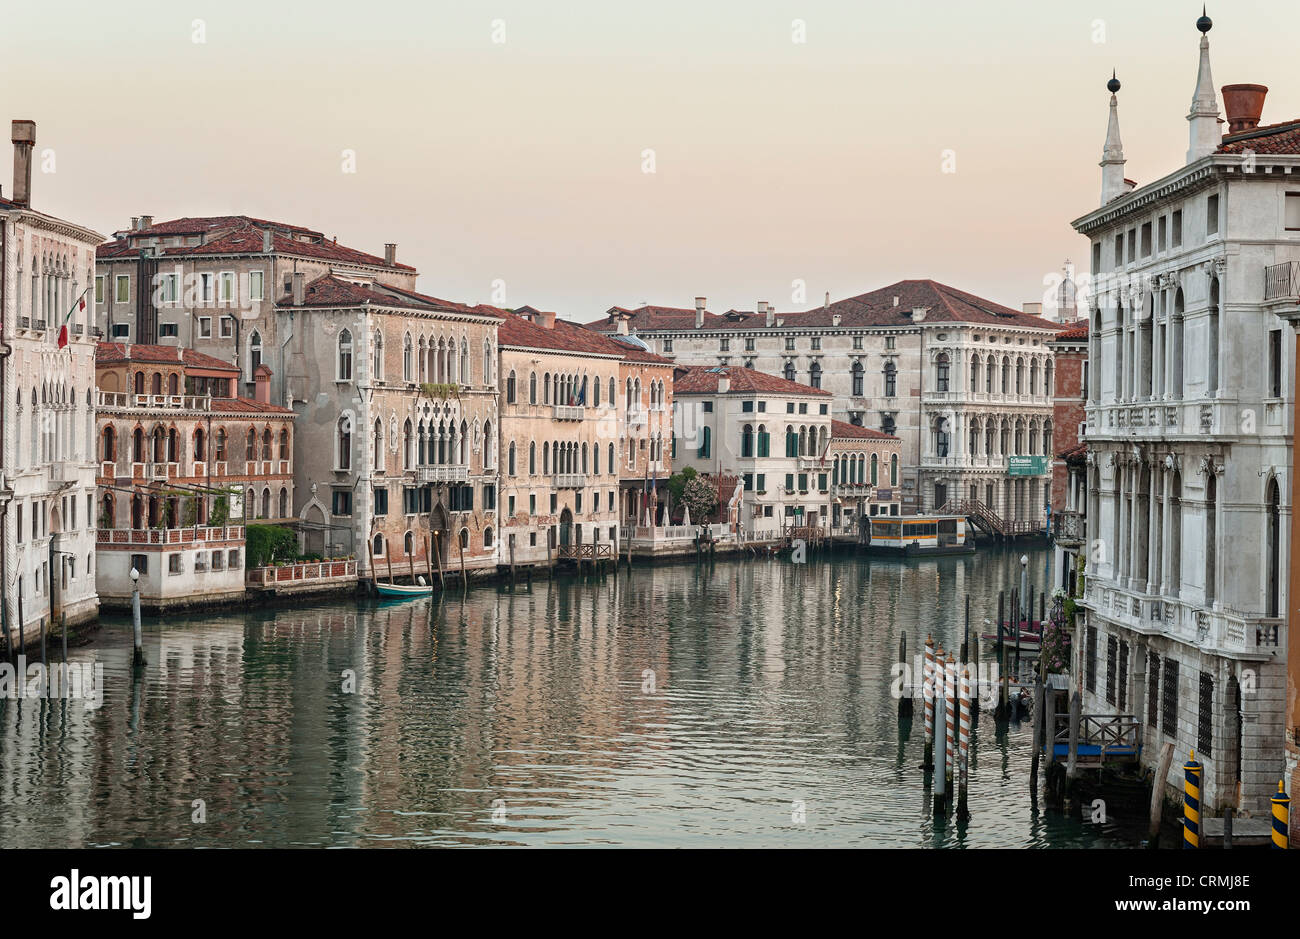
{"x":911,"y":535}
{"x":404,"y":591}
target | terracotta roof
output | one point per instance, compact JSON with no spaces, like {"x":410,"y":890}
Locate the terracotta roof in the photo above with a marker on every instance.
{"x":842,"y":430}
{"x":564,"y":337}
{"x":943,"y":304}
{"x":1077,"y":331}
{"x":248,"y":406}
{"x":332,"y":291}
{"x":703,"y":379}
{"x":1268,"y":139}
{"x":239,"y":234}
{"x":1076,"y":452}
{"x":114,"y":353}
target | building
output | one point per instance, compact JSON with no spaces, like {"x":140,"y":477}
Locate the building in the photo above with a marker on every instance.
{"x":646,"y":443}
{"x":964,"y":382}
{"x":725,"y":421}
{"x":563,"y":435}
{"x":184,"y":463}
{"x":1189,"y":437}
{"x":47,"y":469}
{"x":1068,"y":500}
{"x":210,"y":283}
{"x":864,"y":476}
{"x":396,"y":394}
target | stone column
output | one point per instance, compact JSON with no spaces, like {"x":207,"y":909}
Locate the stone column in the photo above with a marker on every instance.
{"x":1153,"y":536}
{"x":1166,"y":537}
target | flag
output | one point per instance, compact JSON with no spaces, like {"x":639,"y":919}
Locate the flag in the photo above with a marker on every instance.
{"x":77,"y":307}
{"x":654,"y":498}
{"x":822,"y":463}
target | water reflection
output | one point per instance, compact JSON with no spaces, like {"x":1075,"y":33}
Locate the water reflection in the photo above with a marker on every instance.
{"x":678,"y":706}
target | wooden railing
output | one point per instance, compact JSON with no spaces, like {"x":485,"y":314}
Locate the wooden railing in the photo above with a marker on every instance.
{"x":974,"y":508}
{"x":301,"y":571}
{"x":1112,"y":733}
{"x":587,"y":552}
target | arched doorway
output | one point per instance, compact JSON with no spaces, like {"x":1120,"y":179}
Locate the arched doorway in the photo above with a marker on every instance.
{"x":313,"y":531}
{"x":439,"y":529}
{"x":566,"y":528}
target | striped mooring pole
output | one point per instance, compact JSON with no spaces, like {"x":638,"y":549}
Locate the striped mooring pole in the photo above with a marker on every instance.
{"x":1192,"y":802}
{"x":927,"y":693}
{"x":1281,"y":816}
{"x":963,"y":760}
{"x":950,"y":707}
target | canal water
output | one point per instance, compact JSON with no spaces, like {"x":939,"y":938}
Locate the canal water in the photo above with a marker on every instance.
{"x":745,"y":703}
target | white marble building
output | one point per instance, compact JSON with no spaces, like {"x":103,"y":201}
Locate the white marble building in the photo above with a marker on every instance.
{"x":47,"y":489}
{"x":881,"y":356}
{"x":1189,"y":417}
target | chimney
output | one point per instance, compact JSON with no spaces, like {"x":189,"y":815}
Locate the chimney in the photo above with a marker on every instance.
{"x":826,"y":304}
{"x":390,"y":254}
{"x":724,"y":383}
{"x":700,"y":303}
{"x":769,"y":311}
{"x":622,"y":325}
{"x":146,"y":221}
{"x":918,"y":313}
{"x":24,"y":138}
{"x":544,"y":320}
{"x":135,"y":223}
{"x":1244,"y":104}
{"x":266,"y":241}
{"x":1033,"y":309}
{"x":895,"y":301}
{"x":299,"y":288}
{"x":835,"y":319}
{"x":262,"y":384}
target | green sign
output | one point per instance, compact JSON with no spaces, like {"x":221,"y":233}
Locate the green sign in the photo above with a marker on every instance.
{"x":1026,"y":465}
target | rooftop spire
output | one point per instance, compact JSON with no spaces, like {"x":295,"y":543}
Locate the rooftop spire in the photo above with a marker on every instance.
{"x":1203,"y":135}
{"x":1112,"y":157}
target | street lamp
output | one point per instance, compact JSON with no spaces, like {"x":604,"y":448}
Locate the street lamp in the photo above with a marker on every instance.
{"x":1024,"y":583}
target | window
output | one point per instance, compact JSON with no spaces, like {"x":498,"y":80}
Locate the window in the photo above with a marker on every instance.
{"x":815,"y":375}
{"x":1212,"y":215}
{"x":99,"y":288}
{"x":1162,"y":233}
{"x":747,"y":406}
{"x":207,"y":284}
{"x":123,"y":288}
{"x":345,"y":356}
{"x":1132,"y":245}
{"x":227,"y":286}
{"x":205,"y":327}
{"x":174,"y":564}
{"x":724,"y":344}
{"x":747,"y":441}
{"x":168,"y":285}
{"x":816,"y":343}
{"x":941,"y":372}
{"x":510,"y":387}
{"x":342,"y":504}
{"x":1205,"y":716}
{"x":1176,"y":229}
{"x":343,"y":436}
{"x":381,"y":500}
{"x":1096,"y":257}
{"x":749,"y":345}
{"x":1119,"y":249}
{"x":891,"y":380}
{"x":1146,"y":239}
{"x":167,"y":330}
{"x":227,"y":327}
{"x":140,"y":562}
{"x":668,"y":345}
{"x":857,"y":343}
{"x":705,"y":449}
{"x":789,"y":344}
{"x":1169,"y":700}
{"x":489,"y":498}
{"x":1090,"y":660}
{"x":255,"y":279}
{"x":1275,"y":363}
{"x":121,"y":330}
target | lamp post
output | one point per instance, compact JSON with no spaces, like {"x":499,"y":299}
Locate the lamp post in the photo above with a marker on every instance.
{"x":138,"y":658}
{"x":1024,"y":584}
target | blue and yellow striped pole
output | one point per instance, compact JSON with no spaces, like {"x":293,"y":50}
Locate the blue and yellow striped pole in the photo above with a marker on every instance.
{"x":1281,"y":816}
{"x":1192,"y":802}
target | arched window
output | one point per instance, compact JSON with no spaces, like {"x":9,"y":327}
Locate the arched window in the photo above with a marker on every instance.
{"x":595,"y":393}
{"x":891,"y":380}
{"x":344,"y":370}
{"x":254,"y":353}
{"x":408,"y":544}
{"x":791,"y":441}
{"x":250,"y":446}
{"x":857,"y":380}
{"x":221,"y":444}
{"x":510,"y":387}
{"x":1049,"y":388}
{"x":974,"y":373}
{"x":344,"y":437}
{"x":1020,"y":375}
{"x":377,"y":546}
{"x":989,"y":368}
{"x":284,"y":444}
{"x":487,"y":362}
{"x":532,"y":388}
{"x":200,"y":451}
{"x":874,"y":468}
{"x":284,"y":503}
{"x":487,"y":537}
{"x":464,"y":538}
{"x":1212,"y":343}
{"x":408,"y":445}
{"x":612,"y":397}
{"x":611,"y":455}
{"x":155,"y":383}
{"x":266,"y":503}
{"x":941,"y":437}
{"x":815,"y":375}
{"x":406,"y":358}
{"x":747,"y":440}
{"x":788,"y":372}
{"x":941,"y":372}
{"x":1273,"y":546}
{"x":510,"y":459}
{"x":266,"y":444}
{"x":107,"y":512}
{"x":532,"y":458}
{"x":139,"y":385}
{"x":173,"y":384}
{"x":893,"y":469}
{"x":108,"y":452}
{"x":377,"y":362}
{"x":546,"y":388}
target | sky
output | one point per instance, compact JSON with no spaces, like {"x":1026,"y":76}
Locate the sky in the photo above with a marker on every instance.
{"x":502,"y":145}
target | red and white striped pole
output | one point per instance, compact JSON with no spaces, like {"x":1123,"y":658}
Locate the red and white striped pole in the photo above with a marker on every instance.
{"x":927,"y":692}
{"x":950,"y":704}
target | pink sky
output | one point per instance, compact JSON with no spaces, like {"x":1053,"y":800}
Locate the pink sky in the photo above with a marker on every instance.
{"x":521,"y":161}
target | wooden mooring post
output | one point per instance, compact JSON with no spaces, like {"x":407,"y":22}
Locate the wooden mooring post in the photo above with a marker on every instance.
{"x":927,"y":703}
{"x":905,"y":699}
{"x":1158,"y":791}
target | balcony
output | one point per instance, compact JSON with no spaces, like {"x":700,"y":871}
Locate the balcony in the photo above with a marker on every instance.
{"x":169,"y":537}
{"x":425,"y":475}
{"x":1282,"y":281}
{"x":1069,"y":528}
{"x":570,"y":480}
{"x":636,"y":417}
{"x":1159,"y":419}
{"x":120,"y":399}
{"x":567,"y":412}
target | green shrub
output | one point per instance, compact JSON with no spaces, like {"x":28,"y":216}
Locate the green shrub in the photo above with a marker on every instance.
{"x":269,"y":544}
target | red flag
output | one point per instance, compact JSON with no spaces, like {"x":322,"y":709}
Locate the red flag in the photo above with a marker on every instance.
{"x":79,"y":307}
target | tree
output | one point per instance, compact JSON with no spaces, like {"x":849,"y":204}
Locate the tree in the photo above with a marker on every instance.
{"x":701,"y":497}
